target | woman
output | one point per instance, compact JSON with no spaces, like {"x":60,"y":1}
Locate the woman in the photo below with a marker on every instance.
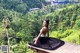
{"x":44,"y":32}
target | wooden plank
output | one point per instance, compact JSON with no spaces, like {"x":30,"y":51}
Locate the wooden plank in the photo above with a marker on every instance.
{"x":36,"y":48}
{"x":66,"y":48}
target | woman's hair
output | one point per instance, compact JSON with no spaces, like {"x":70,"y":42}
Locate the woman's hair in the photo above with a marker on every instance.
{"x":47,"y":21}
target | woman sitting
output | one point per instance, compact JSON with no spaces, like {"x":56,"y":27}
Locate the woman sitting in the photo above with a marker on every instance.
{"x":44,"y":32}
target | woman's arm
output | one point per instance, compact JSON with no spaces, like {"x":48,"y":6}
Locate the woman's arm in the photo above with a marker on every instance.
{"x":36,"y":39}
{"x":41,"y":31}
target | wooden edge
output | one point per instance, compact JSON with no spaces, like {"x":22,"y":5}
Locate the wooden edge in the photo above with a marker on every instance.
{"x":39,"y":49}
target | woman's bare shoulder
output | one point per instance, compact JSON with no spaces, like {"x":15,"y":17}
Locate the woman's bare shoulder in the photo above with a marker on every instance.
{"x":43,"y":28}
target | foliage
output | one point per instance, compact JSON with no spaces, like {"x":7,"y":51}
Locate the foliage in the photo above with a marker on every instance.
{"x":64,"y":22}
{"x":21,"y":48}
{"x":21,"y":5}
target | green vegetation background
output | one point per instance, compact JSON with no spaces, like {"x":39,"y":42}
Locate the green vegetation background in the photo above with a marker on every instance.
{"x":25,"y":24}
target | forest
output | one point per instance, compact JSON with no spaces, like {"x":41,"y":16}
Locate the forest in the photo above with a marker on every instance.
{"x":25,"y":24}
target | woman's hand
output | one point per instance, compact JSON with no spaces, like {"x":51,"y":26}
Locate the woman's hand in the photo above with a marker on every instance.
{"x":35,"y":40}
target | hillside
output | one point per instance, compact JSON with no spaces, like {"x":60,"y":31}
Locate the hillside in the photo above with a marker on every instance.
{"x":65,"y":23}
{"x":21,"y":6}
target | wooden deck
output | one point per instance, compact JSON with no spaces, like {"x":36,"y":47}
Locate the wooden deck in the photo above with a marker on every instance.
{"x":66,"y":48}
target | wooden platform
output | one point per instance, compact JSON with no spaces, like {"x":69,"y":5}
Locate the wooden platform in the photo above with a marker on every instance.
{"x":66,"y":48}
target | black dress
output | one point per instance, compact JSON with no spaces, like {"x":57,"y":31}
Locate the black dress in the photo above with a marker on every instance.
{"x":43,"y":40}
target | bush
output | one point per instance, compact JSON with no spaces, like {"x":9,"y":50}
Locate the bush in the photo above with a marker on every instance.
{"x":73,"y":37}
